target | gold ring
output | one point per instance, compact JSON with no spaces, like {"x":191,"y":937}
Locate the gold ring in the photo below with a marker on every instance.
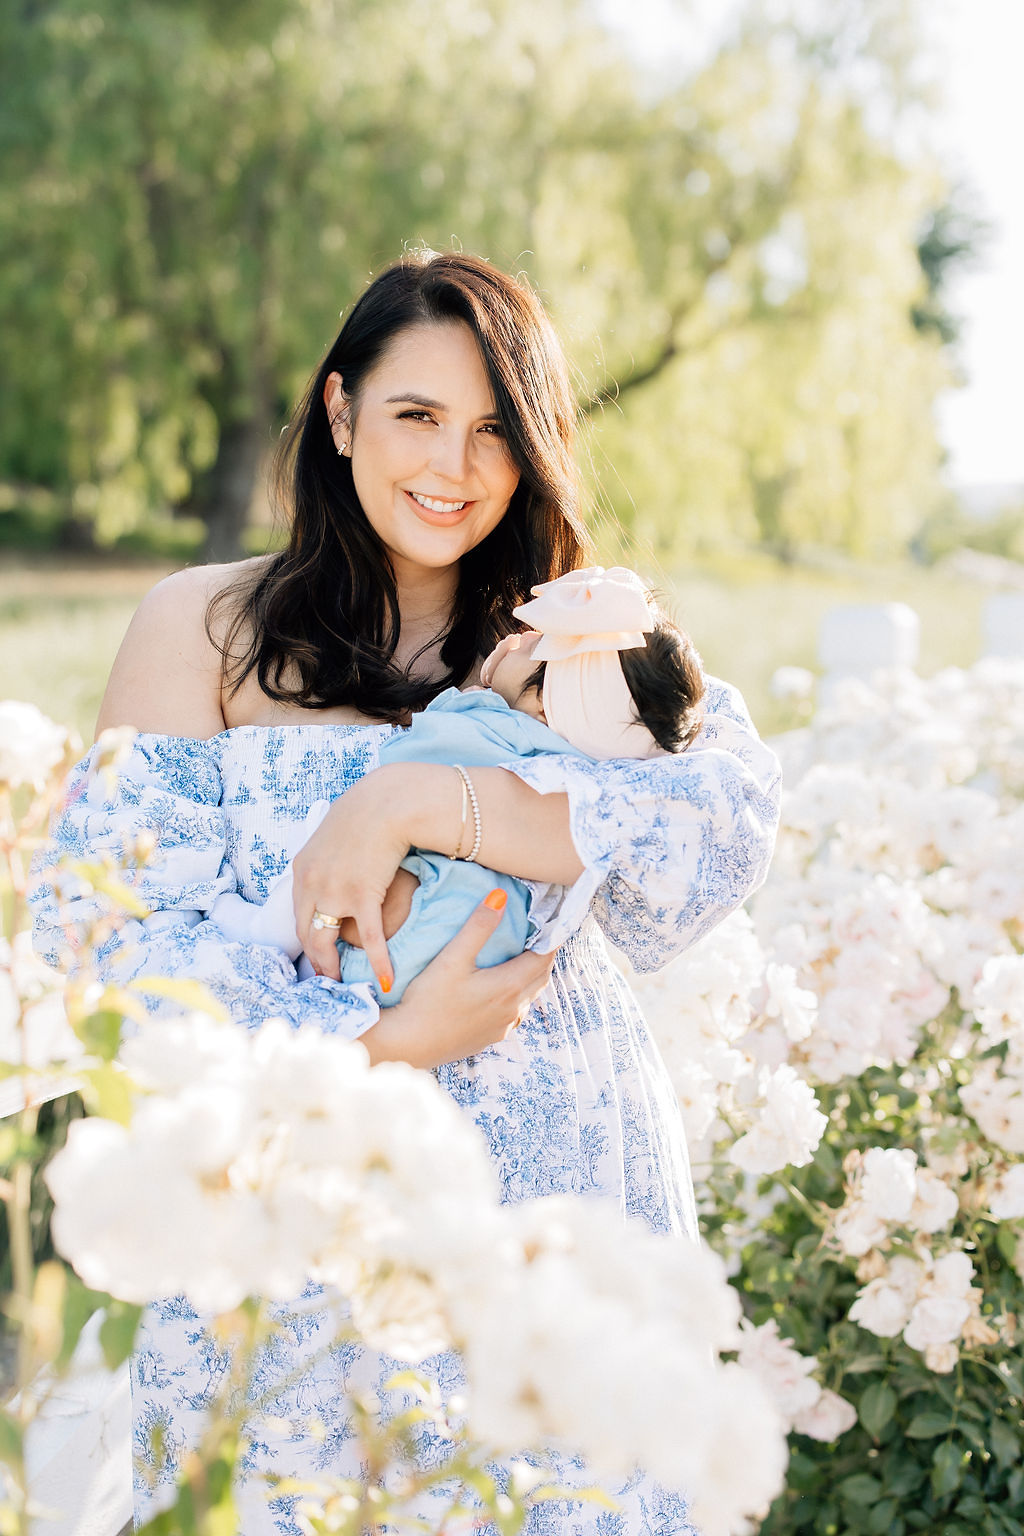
{"x":324,"y":920}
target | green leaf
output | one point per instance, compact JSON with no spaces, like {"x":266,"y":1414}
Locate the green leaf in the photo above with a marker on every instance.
{"x":192,"y":995}
{"x":117,"y":1332}
{"x":880,"y":1519}
{"x":106,"y":883}
{"x":947,"y":1468}
{"x":923,"y":1426}
{"x":10,"y":1439}
{"x":592,"y":1495}
{"x":100,"y":1033}
{"x":1004,"y":1444}
{"x":79,"y":1305}
{"x":1006,"y":1241}
{"x":861,"y":1488}
{"x":865,"y":1363}
{"x":876,"y":1408}
{"x":904,"y":1476}
{"x":107,"y":1091}
{"x":482,"y":1485}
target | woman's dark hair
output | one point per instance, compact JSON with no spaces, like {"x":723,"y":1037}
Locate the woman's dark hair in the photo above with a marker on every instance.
{"x":666,"y":680}
{"x":319,"y":623}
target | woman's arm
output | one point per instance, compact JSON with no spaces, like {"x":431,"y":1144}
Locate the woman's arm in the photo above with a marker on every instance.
{"x":661,"y":849}
{"x":346,"y":868}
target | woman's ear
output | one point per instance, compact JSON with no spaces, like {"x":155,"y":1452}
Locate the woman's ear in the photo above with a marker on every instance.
{"x":339,"y":413}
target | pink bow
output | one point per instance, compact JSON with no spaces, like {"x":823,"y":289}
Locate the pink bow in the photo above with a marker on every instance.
{"x":587,"y":611}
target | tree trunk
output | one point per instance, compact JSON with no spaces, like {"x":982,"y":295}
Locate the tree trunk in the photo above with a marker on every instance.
{"x":227,"y":494}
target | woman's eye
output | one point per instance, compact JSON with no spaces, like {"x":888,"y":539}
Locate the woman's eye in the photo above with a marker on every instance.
{"x":415,"y":416}
{"x":493,"y":429}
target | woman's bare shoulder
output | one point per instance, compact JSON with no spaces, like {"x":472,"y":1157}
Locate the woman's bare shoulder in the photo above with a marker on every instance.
{"x":167,"y":674}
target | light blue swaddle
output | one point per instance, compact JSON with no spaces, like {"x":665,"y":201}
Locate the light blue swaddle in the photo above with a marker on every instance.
{"x":478,"y":730}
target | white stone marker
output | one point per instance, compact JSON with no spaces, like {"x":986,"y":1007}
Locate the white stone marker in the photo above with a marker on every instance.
{"x":1002,"y":623}
{"x":858,"y":639}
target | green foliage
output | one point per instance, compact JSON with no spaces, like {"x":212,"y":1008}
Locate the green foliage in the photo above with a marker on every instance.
{"x":930,"y":1452}
{"x":950,"y":528}
{"x":50,"y":1134}
{"x":191,"y":193}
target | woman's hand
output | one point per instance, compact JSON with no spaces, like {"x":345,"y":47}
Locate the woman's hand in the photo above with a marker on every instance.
{"x":348,"y":864}
{"x":395,"y":911}
{"x":347,"y":868}
{"x":454,"y":1009}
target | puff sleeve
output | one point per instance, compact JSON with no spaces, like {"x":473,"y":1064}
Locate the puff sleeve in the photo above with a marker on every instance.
{"x":671,"y":844}
{"x":168,"y":792}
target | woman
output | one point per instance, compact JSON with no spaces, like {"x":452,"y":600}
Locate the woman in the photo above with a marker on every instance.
{"x":430,"y":479}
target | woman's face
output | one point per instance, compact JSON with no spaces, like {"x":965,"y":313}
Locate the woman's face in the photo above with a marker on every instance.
{"x":429,"y":460}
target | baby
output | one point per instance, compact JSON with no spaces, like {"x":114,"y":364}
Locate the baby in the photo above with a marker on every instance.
{"x":601,"y":673}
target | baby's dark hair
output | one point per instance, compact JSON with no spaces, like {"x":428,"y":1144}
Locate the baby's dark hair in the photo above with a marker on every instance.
{"x":666,"y":680}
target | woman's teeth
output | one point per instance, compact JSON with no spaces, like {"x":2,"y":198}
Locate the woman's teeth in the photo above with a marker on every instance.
{"x":432,"y":504}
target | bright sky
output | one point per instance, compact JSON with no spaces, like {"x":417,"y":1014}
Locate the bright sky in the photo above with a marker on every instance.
{"x":980,"y":51}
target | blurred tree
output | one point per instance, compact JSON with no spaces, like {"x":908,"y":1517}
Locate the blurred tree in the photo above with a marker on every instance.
{"x":192,"y":189}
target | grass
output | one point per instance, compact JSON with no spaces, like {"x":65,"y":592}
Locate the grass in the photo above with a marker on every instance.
{"x":61,"y":621}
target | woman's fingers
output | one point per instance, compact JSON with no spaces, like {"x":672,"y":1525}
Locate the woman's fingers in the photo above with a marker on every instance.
{"x":529,"y":973}
{"x":477,"y":929}
{"x":371,"y":936}
{"x":321,"y":946}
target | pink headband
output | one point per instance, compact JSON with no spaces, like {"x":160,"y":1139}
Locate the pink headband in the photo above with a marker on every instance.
{"x":585,"y":618}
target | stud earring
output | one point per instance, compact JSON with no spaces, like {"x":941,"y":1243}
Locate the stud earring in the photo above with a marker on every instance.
{"x":341,"y":450}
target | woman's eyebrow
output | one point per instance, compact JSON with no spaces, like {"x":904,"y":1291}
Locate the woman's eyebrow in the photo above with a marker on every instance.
{"x":431,"y":405}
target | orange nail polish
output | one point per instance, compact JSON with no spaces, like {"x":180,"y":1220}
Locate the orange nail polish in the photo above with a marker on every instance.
{"x":385,"y":985}
{"x":496,"y":900}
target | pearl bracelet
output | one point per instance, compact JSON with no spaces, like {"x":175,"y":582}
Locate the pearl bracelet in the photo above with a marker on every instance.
{"x":467,"y":789}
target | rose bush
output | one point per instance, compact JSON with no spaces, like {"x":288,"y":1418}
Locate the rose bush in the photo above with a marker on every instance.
{"x":233,"y":1166}
{"x":875,"y":986}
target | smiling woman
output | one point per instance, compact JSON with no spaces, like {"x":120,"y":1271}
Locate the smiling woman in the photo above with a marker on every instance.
{"x":430,"y":481}
{"x":446,"y":385}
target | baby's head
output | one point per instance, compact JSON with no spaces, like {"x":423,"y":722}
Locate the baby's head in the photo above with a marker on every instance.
{"x":605,"y":668}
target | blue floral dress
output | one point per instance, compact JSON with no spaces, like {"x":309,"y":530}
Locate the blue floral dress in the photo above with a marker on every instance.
{"x":577,"y":1101}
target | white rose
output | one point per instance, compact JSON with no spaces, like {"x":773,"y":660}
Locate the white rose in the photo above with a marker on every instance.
{"x":1006,"y":1195}
{"x":858,"y":1229}
{"x":935,"y":1204}
{"x":941,"y":1358}
{"x":996,"y":1102}
{"x":998,"y":1000}
{"x":830,"y":1417}
{"x":31,"y":746}
{"x":791,"y":685}
{"x":881,"y":1308}
{"x":888,"y":1183}
{"x":795,"y":1006}
{"x":952,"y":1273}
{"x":936,"y":1319}
{"x":788,"y":1129}
{"x":779,"y":1366}
{"x":1018,"y":1257}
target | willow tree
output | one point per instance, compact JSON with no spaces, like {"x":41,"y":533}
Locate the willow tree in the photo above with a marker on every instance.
{"x":192,"y":191}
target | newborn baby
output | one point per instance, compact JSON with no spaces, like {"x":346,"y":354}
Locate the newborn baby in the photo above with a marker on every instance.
{"x":601,"y":673}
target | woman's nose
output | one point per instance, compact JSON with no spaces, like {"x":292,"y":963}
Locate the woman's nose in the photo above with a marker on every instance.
{"x":452,"y":456}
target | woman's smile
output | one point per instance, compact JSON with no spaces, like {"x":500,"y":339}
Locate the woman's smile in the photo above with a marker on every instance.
{"x":437,"y":509}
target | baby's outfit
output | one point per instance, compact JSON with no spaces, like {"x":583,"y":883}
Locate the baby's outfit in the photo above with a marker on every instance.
{"x":476,"y":729}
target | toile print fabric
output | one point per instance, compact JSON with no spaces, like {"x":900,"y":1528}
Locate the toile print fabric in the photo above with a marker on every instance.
{"x":577,"y":1101}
